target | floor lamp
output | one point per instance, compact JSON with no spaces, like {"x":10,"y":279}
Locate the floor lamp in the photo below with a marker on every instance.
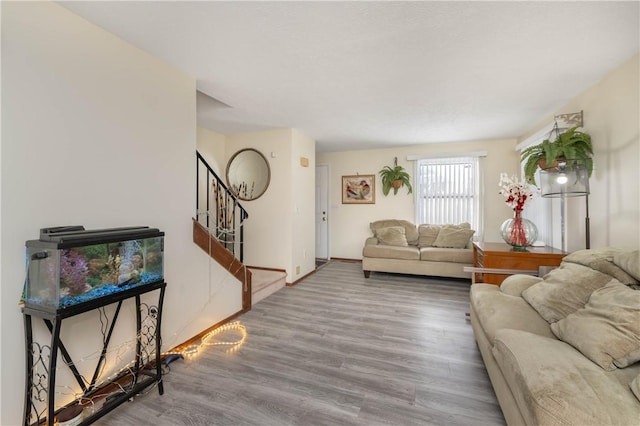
{"x":569,"y":178}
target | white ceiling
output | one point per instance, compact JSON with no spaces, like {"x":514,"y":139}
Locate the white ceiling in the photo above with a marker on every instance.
{"x":360,"y":75}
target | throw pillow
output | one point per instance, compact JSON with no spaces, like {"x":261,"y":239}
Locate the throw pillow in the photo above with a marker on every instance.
{"x":564,"y":290}
{"x":607,"y":330}
{"x":514,"y":285}
{"x":453,"y":237}
{"x":427,"y":234}
{"x":630,"y":262}
{"x":410,"y":230}
{"x":635,"y":386}
{"x":602,"y":260}
{"x":392,"y":236}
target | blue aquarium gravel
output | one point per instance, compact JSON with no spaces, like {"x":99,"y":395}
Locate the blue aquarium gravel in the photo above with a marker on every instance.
{"x":103,"y":290}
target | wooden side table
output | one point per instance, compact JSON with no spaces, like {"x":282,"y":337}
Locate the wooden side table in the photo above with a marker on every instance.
{"x":505,"y":261}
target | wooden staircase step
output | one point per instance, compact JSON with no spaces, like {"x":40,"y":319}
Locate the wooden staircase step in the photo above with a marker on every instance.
{"x":266,"y":282}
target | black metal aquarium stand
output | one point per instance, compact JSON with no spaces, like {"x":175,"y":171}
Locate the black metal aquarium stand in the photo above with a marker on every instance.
{"x":41,"y":372}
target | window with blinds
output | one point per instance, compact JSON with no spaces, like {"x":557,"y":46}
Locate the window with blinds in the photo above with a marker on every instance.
{"x":448,"y":192}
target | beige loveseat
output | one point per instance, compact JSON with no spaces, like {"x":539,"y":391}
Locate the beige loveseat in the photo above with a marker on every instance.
{"x":399,"y":246}
{"x":564,"y":349}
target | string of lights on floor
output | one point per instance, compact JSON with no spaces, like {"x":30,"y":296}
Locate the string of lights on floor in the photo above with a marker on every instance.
{"x":122,"y":380}
{"x":193,"y":349}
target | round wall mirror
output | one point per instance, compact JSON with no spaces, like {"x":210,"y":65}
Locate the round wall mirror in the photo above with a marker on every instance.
{"x":248,"y":174}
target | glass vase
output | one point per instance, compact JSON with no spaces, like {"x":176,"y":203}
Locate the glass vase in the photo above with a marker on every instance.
{"x":518,"y":232}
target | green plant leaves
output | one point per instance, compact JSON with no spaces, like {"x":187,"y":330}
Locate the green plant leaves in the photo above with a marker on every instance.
{"x":389,"y":175}
{"x":572,"y":144}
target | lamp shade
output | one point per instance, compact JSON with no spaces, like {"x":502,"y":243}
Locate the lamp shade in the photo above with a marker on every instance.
{"x":569,"y":178}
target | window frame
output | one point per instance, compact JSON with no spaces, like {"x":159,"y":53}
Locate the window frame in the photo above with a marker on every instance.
{"x":475,"y":218}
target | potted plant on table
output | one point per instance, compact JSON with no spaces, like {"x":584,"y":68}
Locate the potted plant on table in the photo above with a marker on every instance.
{"x":395,"y":177}
{"x":570,"y":145}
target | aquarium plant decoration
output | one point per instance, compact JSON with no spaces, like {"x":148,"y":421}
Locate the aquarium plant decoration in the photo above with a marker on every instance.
{"x":74,"y":272}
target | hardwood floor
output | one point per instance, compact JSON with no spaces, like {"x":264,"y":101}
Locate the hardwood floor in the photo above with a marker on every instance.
{"x":336,"y":349}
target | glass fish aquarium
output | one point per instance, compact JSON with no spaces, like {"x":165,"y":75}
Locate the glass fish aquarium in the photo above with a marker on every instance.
{"x":70,"y":265}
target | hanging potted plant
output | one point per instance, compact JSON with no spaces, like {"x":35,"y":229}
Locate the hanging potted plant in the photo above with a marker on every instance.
{"x":570,"y":145}
{"x":395,"y":177}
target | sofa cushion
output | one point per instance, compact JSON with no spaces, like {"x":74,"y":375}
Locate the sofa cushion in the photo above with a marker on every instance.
{"x":635,"y":386}
{"x":392,"y":236}
{"x":410,"y":230}
{"x":453,"y":237}
{"x":564,"y":290}
{"x":391,"y":252}
{"x":607,"y":329}
{"x":516,"y":284}
{"x":496,"y":310}
{"x":553,"y":384}
{"x":629,"y":261}
{"x":427,"y":234}
{"x":436,"y":254}
{"x":602,"y":260}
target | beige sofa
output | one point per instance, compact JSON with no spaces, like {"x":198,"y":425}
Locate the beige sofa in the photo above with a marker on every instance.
{"x":399,"y":246}
{"x":564,"y":349}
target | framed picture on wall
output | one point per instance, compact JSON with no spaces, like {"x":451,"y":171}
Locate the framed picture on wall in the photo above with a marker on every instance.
{"x":359,"y":189}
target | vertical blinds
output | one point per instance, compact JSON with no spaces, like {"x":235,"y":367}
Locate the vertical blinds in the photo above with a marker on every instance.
{"x":448,"y":191}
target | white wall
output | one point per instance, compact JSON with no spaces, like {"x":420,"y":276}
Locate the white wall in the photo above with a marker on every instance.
{"x":99,"y":133}
{"x":280,"y":230}
{"x":304,"y":205}
{"x":611,"y":111}
{"x":268,"y":232}
{"x":349,"y":223}
{"x":211,"y":146}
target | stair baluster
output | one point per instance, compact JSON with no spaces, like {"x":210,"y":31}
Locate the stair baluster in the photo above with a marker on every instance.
{"x":224,"y":217}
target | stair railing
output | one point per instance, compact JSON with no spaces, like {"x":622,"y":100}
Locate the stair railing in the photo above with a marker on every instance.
{"x":218,"y":209}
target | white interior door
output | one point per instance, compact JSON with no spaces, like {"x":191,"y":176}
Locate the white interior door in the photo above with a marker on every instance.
{"x":322,"y":211}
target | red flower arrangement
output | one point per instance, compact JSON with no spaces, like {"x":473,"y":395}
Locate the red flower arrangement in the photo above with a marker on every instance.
{"x":516,"y":193}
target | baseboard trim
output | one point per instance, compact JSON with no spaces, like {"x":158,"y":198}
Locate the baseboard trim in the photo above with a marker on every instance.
{"x":266,"y":269}
{"x":301,"y":278}
{"x":345,"y":259}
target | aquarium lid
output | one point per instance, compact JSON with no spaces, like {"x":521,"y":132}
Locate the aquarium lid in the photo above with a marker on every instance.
{"x":74,"y":236}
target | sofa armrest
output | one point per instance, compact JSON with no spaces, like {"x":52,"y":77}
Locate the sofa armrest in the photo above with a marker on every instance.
{"x":371,"y":241}
{"x":514,"y":285}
